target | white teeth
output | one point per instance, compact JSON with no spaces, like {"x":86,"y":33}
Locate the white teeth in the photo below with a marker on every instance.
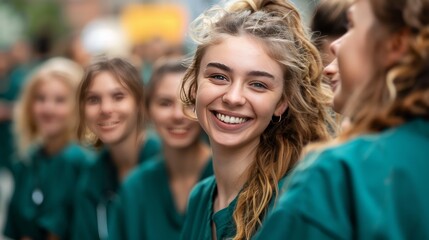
{"x":105,"y":124}
{"x":230,"y":119}
{"x":178,"y":130}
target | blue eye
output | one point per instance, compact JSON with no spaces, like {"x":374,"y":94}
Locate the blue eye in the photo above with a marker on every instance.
{"x":218,"y":77}
{"x":258,"y":85}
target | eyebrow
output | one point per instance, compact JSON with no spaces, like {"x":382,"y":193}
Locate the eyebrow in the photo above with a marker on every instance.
{"x":220,"y":66}
{"x":251,"y":73}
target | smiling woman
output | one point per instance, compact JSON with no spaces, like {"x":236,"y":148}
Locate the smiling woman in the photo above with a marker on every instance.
{"x":255,"y":85}
{"x":153,"y":199}
{"x":45,"y":178}
{"x":111,"y":112}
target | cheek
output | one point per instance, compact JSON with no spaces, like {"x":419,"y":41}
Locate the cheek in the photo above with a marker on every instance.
{"x":159,"y":116}
{"x":36,"y":110}
{"x":91,"y":115}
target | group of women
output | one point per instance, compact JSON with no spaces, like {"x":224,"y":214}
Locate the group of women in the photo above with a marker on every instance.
{"x":273,"y":167}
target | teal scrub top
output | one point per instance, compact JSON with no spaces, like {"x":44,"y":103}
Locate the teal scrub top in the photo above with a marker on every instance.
{"x":97,"y":191}
{"x":372,"y":187}
{"x":146,"y":209}
{"x":10,"y":88}
{"x":42,"y":199}
{"x":198,"y":224}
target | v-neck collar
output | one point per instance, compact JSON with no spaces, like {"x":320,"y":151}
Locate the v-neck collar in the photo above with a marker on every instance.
{"x":176,"y":216}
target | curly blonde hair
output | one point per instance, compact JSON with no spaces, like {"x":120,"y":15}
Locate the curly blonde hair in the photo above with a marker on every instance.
{"x":55,"y":69}
{"x":400,"y":92}
{"x":277,"y":24}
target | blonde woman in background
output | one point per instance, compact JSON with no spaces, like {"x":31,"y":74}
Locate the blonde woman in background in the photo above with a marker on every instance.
{"x":49,"y":162}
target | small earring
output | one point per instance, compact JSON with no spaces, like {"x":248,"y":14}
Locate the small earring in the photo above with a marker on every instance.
{"x":279,"y":119}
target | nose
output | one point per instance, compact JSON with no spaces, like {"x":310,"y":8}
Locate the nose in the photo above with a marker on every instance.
{"x":331,"y":69}
{"x":335,"y":45}
{"x":178,"y":114}
{"x":234,"y":95}
{"x":105,"y":107}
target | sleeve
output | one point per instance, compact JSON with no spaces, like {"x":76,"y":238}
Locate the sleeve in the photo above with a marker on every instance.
{"x":315,"y":205}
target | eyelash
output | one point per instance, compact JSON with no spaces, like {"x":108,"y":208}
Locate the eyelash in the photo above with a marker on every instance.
{"x":92,"y":100}
{"x":260,"y":85}
{"x":217,"y":76}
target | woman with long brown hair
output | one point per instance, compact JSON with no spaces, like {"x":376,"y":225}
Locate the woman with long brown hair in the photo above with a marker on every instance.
{"x":371,"y":183}
{"x":111,"y":115}
{"x":255,"y":85}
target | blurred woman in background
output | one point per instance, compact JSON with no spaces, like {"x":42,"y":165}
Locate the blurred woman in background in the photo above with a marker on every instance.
{"x":154,"y":199}
{"x":372,"y":182}
{"x":111,"y":114}
{"x":49,"y":161}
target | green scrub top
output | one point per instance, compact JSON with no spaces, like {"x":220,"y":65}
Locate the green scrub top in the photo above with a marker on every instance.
{"x":146,"y":209}
{"x":198,"y":224}
{"x":10,"y":88}
{"x":97,"y":190}
{"x":372,"y":187}
{"x":42,"y":199}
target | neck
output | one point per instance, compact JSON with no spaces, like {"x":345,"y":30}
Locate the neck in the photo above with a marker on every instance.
{"x":53,"y":145}
{"x":125,"y":155}
{"x":186,"y":162}
{"x":230,"y":167}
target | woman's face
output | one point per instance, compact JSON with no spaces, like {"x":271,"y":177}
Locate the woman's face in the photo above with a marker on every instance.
{"x":239,"y":90}
{"x":353,"y":53}
{"x":111,"y":112}
{"x":166,"y":112}
{"x":52,"y":107}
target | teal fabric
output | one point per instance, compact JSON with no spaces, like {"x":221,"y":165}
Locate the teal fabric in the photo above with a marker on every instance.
{"x":97,"y":192}
{"x":10,"y":88}
{"x":372,"y":187}
{"x":198,"y":224}
{"x":146,"y":209}
{"x":56,"y":177}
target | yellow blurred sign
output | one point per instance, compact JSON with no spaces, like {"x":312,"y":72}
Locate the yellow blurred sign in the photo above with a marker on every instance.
{"x":143,"y":22}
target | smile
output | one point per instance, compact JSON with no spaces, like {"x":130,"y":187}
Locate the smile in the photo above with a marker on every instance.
{"x":230,"y":119}
{"x":178,"y":130}
{"x":107,"y":124}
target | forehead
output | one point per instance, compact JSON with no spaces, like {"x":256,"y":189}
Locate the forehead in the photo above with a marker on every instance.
{"x":241,"y":53}
{"x":169,"y":83}
{"x":105,"y":81}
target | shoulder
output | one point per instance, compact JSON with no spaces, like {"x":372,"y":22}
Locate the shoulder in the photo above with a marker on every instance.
{"x":78,"y":155}
{"x":372,"y":146}
{"x":202,"y":192}
{"x":146,"y":172}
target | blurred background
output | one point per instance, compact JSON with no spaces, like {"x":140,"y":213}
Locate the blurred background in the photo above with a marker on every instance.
{"x":35,"y":30}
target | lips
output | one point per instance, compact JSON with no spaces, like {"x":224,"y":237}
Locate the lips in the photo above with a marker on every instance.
{"x":107,"y":125}
{"x":178,"y":130}
{"x":230,"y":118}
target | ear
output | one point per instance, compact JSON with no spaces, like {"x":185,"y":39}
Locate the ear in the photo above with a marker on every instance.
{"x":281,"y":107}
{"x":397,"y":45}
